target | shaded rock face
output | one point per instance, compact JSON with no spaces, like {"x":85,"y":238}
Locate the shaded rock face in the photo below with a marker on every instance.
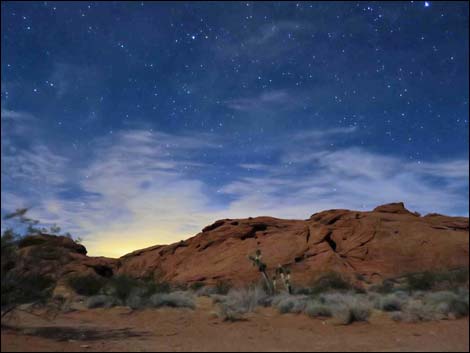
{"x":59,"y":257}
{"x":386,"y":242}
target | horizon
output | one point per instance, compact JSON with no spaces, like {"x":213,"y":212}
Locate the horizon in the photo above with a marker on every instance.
{"x":136,"y":124}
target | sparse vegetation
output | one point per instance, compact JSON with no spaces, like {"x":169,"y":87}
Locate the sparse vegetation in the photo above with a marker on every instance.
{"x":87,"y":285}
{"x":222,"y":287}
{"x":331,"y":281}
{"x":100,"y":301}
{"x":177,"y":299}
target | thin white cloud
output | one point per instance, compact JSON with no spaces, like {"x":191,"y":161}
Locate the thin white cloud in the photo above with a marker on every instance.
{"x":141,"y":188}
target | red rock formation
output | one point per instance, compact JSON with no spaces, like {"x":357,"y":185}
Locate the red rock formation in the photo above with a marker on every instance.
{"x":386,"y":242}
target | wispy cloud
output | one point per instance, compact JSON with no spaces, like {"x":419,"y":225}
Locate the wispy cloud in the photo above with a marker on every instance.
{"x":141,"y":188}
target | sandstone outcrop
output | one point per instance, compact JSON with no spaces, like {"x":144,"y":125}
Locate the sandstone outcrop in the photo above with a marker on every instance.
{"x":371,"y":246}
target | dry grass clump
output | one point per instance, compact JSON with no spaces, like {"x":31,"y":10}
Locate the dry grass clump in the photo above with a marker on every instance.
{"x":286,"y":303}
{"x":100,"y":301}
{"x":434,"y":306}
{"x":315,"y":308}
{"x":240,"y":301}
{"x":178,"y":299}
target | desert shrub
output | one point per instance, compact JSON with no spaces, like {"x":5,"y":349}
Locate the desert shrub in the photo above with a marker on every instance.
{"x":434,"y":306}
{"x":289,"y":303}
{"x":245,"y":300}
{"x":196,"y":286}
{"x":317,"y":309}
{"x":347,"y":307}
{"x":452,"y":278}
{"x":175,"y":300}
{"x":421,"y":281}
{"x":207,"y":291}
{"x":239,"y":301}
{"x":227,"y":313}
{"x":17,"y":289}
{"x":360,"y":310}
{"x":223,"y":287}
{"x":386,"y":286}
{"x":392,"y":302}
{"x":447,"y":303}
{"x":135,"y":301}
{"x":152,"y":287}
{"x":100,"y":301}
{"x":330,"y":281}
{"x":122,"y":286}
{"x":87,"y":285}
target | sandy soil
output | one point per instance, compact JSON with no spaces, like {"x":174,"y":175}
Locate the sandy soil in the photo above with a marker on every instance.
{"x":120,"y":329}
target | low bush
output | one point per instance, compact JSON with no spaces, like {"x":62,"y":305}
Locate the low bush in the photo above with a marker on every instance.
{"x":121,"y":286}
{"x":317,"y":309}
{"x":289,"y":303}
{"x":347,"y":307}
{"x":222,"y":287}
{"x":421,"y":281}
{"x":87,"y":285}
{"x":330,"y":282}
{"x":196,"y":286}
{"x":18,"y":289}
{"x":238,"y":302}
{"x":434,"y":306}
{"x":392,"y":302}
{"x":100,"y":301}
{"x":226,"y":313}
{"x":175,"y":300}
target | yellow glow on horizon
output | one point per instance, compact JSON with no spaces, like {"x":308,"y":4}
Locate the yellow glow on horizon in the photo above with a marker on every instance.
{"x":117,"y":244}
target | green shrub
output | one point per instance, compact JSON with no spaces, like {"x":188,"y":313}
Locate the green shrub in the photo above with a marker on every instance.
{"x":330,"y":281}
{"x":196,"y":286}
{"x":385,"y":287}
{"x":121,"y":286}
{"x":222,"y":287}
{"x":87,"y":285}
{"x":18,"y":289}
{"x":151,"y":287}
{"x":421,"y":281}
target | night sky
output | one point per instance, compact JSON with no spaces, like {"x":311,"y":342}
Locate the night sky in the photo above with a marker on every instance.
{"x":134,"y":124}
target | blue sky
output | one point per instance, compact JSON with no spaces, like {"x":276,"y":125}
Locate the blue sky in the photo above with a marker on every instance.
{"x":133,"y":124}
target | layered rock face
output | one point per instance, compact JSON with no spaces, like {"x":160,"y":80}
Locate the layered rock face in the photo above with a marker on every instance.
{"x":386,"y":242}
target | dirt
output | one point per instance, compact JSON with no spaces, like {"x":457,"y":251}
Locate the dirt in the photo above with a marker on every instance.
{"x":167,"y":329}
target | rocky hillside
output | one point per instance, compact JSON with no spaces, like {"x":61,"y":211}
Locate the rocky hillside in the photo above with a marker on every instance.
{"x":386,"y":242}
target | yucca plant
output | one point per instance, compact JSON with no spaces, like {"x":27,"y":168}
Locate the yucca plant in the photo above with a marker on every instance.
{"x":280,"y":272}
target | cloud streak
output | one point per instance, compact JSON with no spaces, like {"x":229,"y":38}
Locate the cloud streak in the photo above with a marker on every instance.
{"x":141,"y":188}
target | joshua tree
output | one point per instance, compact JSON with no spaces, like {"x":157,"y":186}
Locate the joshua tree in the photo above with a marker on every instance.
{"x":281,"y":272}
{"x":284,"y":273}
{"x":256,"y":260}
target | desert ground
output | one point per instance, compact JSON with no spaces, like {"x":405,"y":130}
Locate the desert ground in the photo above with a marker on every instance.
{"x":170,"y":329}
